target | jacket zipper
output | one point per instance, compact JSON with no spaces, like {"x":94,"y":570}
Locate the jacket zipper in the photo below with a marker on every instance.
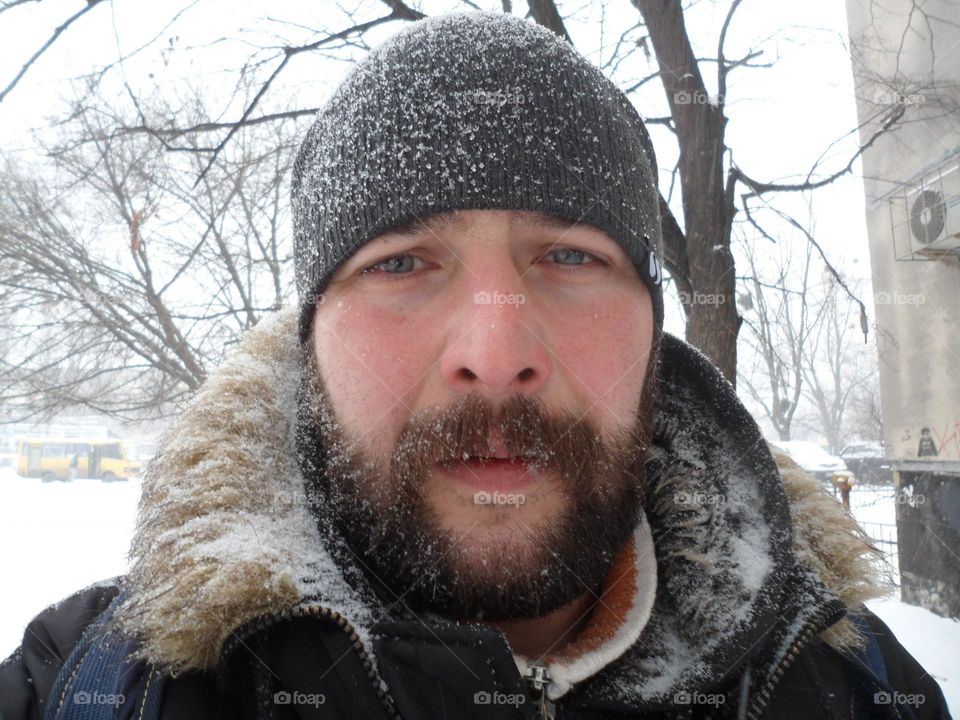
{"x":539,"y":678}
{"x":822,"y":619}
{"x":538,"y":675}
{"x":344,"y":624}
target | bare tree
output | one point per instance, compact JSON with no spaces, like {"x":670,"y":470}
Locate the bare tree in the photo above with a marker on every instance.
{"x":809,"y":365}
{"x":779,"y":317}
{"x":864,"y":410}
{"x":836,"y":365}
{"x":122,"y":283}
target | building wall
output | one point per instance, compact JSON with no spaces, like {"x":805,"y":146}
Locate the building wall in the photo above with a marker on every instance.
{"x":915,"y":300}
{"x":928,"y":535}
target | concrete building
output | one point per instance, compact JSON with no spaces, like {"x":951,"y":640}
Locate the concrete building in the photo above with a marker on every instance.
{"x":906,"y":65}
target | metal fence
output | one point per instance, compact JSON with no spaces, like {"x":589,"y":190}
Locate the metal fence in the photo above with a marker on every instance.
{"x":884,"y":536}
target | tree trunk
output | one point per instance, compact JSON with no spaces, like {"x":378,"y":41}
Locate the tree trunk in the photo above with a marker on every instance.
{"x":712,"y":318}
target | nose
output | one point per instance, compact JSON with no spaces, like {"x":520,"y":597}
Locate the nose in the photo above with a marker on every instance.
{"x":497,"y":345}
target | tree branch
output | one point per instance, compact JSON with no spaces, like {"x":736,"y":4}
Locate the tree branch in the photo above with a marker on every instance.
{"x":46,"y":46}
{"x":399,"y":11}
{"x":759,"y":188}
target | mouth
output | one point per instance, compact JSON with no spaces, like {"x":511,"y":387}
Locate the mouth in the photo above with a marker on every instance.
{"x":496,"y":471}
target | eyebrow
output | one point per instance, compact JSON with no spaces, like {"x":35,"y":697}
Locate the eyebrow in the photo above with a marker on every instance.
{"x":426,"y":224}
{"x":435,"y":222}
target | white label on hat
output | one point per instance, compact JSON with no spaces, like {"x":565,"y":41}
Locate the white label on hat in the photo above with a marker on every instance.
{"x":654,"y":268}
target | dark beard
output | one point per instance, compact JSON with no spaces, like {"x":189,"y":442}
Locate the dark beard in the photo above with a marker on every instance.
{"x":382,"y":519}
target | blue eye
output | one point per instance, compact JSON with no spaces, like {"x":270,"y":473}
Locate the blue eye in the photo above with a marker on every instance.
{"x":570,"y":253}
{"x":394,"y":265}
{"x":578,"y":256}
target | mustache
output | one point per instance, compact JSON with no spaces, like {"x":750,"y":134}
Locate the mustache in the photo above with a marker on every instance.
{"x":567,"y":443}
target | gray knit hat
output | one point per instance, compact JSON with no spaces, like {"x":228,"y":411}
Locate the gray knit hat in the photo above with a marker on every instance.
{"x":471,"y":111}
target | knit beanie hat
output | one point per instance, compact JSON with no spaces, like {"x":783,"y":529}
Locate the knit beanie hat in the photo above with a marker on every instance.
{"x":471,"y":111}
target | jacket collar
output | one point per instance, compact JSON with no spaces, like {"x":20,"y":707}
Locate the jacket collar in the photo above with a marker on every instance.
{"x":225,"y":536}
{"x":616,"y":622}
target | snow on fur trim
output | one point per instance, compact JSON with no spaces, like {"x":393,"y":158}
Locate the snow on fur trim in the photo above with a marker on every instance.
{"x":221,"y":537}
{"x":833,"y":546}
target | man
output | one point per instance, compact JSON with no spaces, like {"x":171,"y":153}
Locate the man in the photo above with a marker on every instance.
{"x":471,"y":477}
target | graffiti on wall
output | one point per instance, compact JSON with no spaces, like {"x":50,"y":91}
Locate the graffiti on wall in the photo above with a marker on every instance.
{"x":940,"y":442}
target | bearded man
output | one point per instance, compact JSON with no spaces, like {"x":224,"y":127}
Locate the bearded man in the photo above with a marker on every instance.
{"x":469,"y":476}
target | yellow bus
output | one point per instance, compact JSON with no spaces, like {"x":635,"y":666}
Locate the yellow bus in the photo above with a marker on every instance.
{"x":69,"y":458}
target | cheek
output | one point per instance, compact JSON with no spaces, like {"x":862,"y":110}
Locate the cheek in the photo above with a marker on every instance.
{"x":373,"y":362}
{"x":604,"y":349}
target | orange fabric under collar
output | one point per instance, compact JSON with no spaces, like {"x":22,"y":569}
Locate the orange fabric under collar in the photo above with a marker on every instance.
{"x":610,"y":611}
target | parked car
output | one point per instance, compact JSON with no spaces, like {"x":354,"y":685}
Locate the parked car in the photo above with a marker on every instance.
{"x":814,"y":459}
{"x":866,"y":460}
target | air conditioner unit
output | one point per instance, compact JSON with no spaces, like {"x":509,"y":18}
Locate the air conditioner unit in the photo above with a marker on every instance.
{"x":932,"y":208}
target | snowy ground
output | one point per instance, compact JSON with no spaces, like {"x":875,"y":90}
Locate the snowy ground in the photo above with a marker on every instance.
{"x":934,"y":641}
{"x":60,"y":537}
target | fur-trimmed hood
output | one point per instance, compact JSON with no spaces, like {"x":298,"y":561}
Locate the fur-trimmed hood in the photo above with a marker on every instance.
{"x":749,"y":549}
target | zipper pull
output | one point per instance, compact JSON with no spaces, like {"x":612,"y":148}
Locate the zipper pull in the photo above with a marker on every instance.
{"x":539,"y":678}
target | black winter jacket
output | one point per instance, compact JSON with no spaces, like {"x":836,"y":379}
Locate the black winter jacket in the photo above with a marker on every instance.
{"x":432,"y":674}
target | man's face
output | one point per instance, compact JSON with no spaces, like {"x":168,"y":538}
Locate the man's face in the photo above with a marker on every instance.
{"x":475,"y":384}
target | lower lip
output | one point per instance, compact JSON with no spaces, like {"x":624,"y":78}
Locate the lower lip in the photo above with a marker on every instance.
{"x":489,"y":475}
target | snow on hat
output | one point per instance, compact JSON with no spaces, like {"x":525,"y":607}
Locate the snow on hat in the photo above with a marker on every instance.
{"x":471,"y":111}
